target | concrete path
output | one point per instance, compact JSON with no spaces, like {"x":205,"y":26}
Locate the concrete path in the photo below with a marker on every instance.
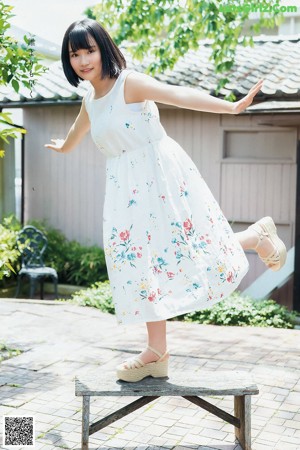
{"x":61,"y":341}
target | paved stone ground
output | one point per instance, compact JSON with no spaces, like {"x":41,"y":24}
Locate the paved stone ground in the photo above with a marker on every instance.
{"x":61,"y":341}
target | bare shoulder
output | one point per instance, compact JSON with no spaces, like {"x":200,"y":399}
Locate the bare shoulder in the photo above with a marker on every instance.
{"x":137,"y":87}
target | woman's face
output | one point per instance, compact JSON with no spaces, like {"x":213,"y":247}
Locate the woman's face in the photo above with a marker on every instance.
{"x":86,"y":62}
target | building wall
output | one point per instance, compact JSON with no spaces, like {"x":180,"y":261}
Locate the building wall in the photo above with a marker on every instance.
{"x":66,"y":189}
{"x":7,"y":180}
{"x":250,"y":172}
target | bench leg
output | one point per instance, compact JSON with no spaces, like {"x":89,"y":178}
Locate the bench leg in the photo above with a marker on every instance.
{"x":85,"y":422}
{"x":242,"y":410}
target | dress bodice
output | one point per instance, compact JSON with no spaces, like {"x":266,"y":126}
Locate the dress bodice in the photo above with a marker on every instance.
{"x":118,"y":127}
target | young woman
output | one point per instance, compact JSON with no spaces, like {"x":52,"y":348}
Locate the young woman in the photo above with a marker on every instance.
{"x":169,"y":249}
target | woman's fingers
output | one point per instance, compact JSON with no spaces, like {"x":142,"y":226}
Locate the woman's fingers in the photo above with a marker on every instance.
{"x":246,"y":101}
{"x":256,"y":87}
{"x":56,"y":145}
{"x":242,"y":104}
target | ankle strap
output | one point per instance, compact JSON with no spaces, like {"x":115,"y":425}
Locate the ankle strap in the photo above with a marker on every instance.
{"x":156,"y":352}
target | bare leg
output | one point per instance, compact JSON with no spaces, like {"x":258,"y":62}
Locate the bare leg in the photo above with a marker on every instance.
{"x":247,"y":239}
{"x":157,"y":338}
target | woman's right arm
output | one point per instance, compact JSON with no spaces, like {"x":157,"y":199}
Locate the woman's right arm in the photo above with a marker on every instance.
{"x":76,"y":133}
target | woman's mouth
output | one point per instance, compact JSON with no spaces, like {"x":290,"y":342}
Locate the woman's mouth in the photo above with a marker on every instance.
{"x":86,"y":70}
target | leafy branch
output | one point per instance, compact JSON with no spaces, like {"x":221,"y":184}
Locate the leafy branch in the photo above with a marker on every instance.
{"x":164,"y":30}
{"x":18,"y":66}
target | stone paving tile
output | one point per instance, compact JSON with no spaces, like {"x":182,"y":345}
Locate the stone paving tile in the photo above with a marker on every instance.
{"x":291,"y":407}
{"x":77,"y":345}
{"x":286,"y":446}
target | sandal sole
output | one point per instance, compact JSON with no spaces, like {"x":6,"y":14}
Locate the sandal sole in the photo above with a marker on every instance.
{"x":155,"y":370}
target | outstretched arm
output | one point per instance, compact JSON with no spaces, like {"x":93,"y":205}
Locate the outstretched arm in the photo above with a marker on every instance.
{"x":76,"y":133}
{"x":142,"y":87}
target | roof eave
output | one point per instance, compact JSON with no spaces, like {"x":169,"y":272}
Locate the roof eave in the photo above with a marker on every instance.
{"x":271,"y":111}
{"x":33,"y":103}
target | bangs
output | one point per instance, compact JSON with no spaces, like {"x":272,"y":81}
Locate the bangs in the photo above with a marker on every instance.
{"x":79,"y":39}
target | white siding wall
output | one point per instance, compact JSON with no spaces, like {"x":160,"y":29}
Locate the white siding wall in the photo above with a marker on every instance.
{"x":68,"y":190}
{"x":7,"y":180}
{"x":199,"y":135}
{"x":65,"y":189}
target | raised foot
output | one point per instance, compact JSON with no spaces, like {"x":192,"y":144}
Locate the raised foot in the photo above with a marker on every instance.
{"x":270,"y":248}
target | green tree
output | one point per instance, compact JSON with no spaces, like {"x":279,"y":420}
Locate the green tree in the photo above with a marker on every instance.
{"x":18,"y":66}
{"x":165,"y":30}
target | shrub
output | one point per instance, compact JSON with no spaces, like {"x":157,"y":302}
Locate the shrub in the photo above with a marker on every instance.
{"x":98,"y":296}
{"x":84,"y":265}
{"x":74,"y":263}
{"x":9,"y":253}
{"x":243,"y":311}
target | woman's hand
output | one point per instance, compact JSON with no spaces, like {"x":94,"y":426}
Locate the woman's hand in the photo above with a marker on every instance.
{"x":76,"y":133}
{"x":242,"y":104}
{"x":57,"y":145}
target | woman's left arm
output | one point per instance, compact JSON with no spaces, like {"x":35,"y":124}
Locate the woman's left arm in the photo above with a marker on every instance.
{"x":144,"y":87}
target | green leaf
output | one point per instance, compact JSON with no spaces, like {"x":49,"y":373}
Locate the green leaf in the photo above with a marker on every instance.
{"x":10,"y":267}
{"x":6,"y":117}
{"x":15,"y":85}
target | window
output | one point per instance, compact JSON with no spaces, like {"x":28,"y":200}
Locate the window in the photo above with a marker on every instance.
{"x":260,"y":145}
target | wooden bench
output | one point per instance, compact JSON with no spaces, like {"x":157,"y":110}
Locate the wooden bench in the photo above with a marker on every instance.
{"x":189,"y":385}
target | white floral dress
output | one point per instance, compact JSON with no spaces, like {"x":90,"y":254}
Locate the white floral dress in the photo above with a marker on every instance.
{"x":169,"y":249}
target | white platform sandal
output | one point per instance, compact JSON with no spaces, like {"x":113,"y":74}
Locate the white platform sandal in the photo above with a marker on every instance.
{"x":137,"y":370}
{"x":266,"y":227}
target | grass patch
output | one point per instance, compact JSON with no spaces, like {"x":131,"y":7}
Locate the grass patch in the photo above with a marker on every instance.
{"x":7,"y":352}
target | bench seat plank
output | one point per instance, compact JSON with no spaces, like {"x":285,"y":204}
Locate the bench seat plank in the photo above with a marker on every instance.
{"x":205,"y":383}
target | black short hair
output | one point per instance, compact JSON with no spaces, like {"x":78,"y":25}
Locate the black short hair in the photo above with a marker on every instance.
{"x":77,"y":35}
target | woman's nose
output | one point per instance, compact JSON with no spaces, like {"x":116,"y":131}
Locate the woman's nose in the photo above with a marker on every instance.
{"x":84,"y":60}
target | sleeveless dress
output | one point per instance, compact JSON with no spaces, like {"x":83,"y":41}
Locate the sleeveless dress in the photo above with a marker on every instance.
{"x":169,"y":249}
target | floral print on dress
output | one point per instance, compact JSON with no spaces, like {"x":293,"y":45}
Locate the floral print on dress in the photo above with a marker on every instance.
{"x":132,"y":200}
{"x":158,"y":264}
{"x":149,"y":184}
{"x":129,"y":125}
{"x":148,"y":294}
{"x":122,"y":250}
{"x":187,"y":239}
{"x":148,"y":116}
{"x":183,"y":190}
